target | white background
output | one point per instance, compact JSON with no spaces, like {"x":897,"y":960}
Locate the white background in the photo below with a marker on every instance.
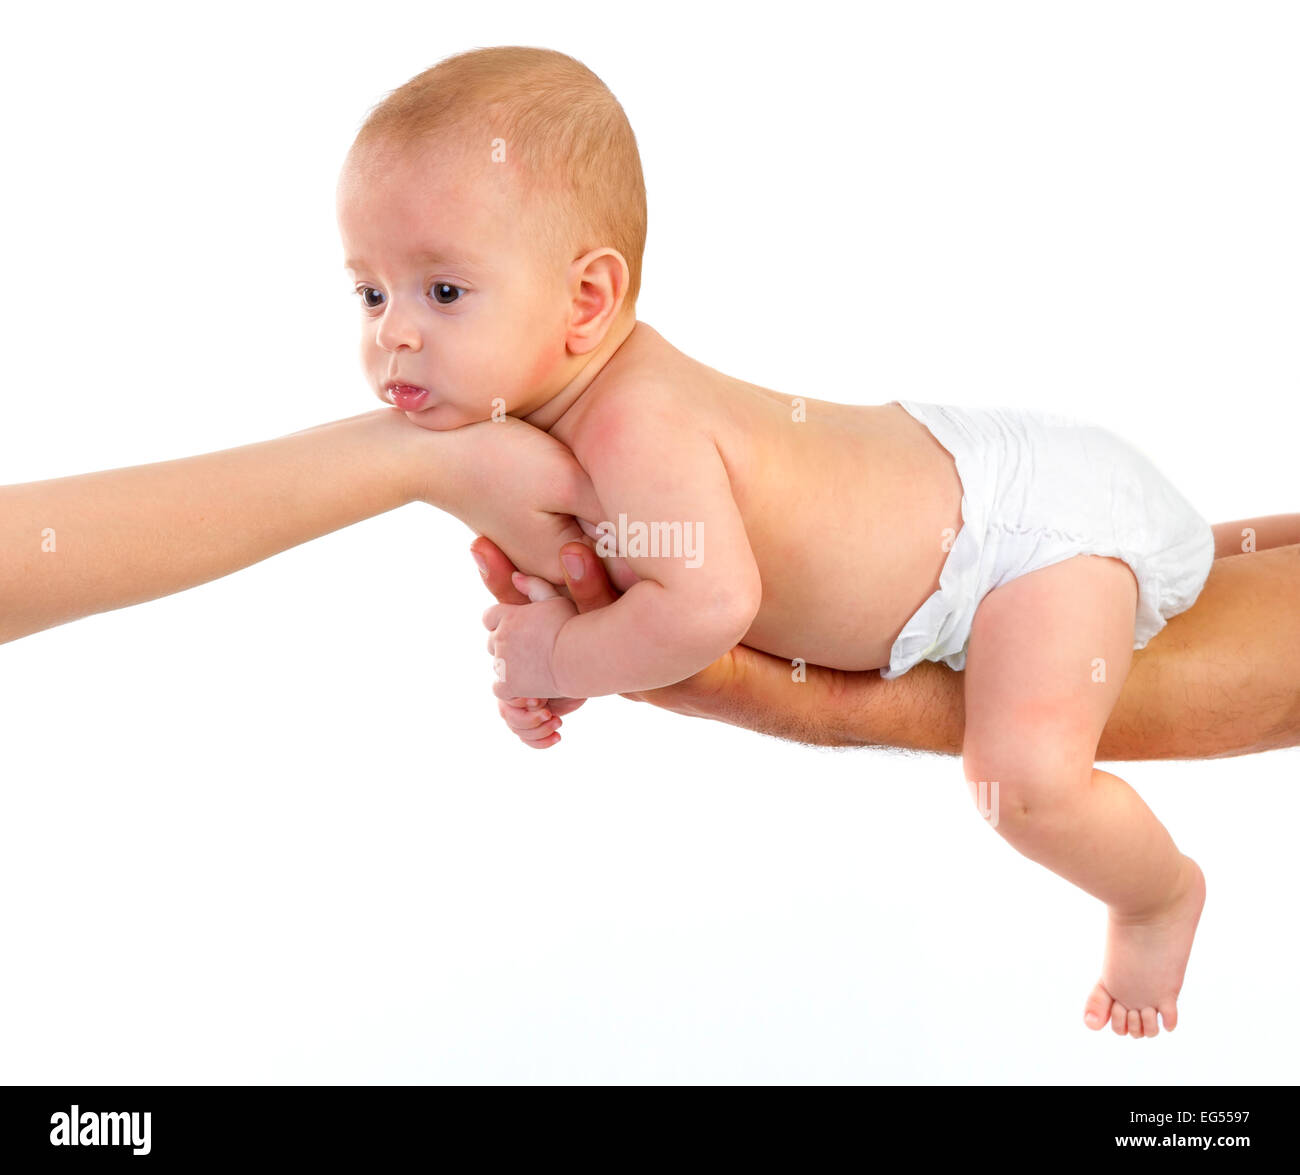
{"x":272,"y":830}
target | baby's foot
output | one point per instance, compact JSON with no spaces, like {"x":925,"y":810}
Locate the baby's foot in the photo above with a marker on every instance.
{"x":1142,"y":972}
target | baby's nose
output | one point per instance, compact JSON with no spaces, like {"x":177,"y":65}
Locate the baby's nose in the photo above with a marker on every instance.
{"x":397,"y":330}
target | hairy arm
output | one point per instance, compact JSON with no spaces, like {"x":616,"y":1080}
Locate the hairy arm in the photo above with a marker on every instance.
{"x":1221,"y":679}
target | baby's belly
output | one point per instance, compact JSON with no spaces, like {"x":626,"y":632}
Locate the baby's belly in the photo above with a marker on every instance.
{"x":851,"y":618}
{"x":850,"y":554}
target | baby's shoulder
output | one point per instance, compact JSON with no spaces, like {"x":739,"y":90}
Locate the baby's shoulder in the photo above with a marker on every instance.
{"x":641,"y":384}
{"x":628,"y":414}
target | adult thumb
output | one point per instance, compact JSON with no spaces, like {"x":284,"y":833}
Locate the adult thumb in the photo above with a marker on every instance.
{"x":584,"y":576}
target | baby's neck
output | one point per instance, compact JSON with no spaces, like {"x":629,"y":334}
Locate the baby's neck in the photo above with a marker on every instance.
{"x":559,"y":409}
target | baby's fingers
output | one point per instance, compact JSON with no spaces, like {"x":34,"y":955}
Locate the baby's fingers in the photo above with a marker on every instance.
{"x":519,"y":716}
{"x":535,"y":726}
{"x":534,"y":587}
{"x":555,"y":705}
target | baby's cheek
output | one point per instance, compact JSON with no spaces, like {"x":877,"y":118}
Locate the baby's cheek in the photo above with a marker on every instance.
{"x":541,"y":372}
{"x":547,"y":353}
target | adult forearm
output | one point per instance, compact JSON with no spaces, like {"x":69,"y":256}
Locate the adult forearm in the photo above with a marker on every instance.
{"x":828,"y":707}
{"x":1220,"y":680}
{"x":73,"y":546}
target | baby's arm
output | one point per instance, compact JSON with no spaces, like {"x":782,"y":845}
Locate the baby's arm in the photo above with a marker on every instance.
{"x":654,"y":464}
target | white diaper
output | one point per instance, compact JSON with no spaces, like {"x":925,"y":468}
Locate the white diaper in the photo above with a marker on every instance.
{"x":1039,"y":488}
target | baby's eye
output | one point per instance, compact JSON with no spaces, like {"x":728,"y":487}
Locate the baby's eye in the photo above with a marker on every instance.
{"x":444,"y":293}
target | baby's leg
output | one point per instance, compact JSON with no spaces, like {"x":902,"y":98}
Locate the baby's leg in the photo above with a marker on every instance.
{"x":1047,"y":657}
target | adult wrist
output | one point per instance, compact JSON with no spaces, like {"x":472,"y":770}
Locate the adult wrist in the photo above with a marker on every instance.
{"x":422,"y":461}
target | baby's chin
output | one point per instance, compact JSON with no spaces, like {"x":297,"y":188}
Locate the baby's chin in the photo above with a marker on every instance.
{"x":430,"y":418}
{"x":441,"y":417}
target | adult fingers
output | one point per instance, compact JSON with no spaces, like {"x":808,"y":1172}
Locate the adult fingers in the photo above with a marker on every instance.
{"x":499,"y":570}
{"x":584,"y":575}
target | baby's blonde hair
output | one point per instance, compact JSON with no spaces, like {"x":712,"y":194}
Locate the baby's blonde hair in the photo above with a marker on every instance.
{"x":559,"y":126}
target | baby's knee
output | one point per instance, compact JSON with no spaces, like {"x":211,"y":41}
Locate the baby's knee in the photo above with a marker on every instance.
{"x":1025,"y":783}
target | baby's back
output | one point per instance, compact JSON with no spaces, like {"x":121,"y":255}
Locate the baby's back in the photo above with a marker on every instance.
{"x":846,"y":507}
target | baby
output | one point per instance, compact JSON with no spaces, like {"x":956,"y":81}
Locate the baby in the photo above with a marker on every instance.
{"x":492,"y":211}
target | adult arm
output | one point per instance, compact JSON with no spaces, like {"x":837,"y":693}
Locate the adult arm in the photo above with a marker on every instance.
{"x":74,"y":546}
{"x":1221,"y":679}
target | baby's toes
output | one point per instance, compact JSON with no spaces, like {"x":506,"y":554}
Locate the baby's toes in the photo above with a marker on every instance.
{"x":1169,"y":1014}
{"x":1097,"y":1010}
{"x":1149,"y":1025}
{"x":1135,"y":1024}
{"x":1119,"y":1019}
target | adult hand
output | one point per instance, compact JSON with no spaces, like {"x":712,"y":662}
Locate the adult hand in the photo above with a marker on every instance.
{"x":589,"y":588}
{"x":504,"y":478}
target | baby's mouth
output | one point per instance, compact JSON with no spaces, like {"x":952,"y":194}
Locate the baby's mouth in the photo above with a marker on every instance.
{"x":407,"y":397}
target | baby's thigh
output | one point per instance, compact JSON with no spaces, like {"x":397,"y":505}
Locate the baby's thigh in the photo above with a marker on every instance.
{"x":1047,"y":656}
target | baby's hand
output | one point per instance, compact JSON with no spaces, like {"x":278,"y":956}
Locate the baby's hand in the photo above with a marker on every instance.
{"x":522,"y":637}
{"x":534,"y":720}
{"x":537,"y":720}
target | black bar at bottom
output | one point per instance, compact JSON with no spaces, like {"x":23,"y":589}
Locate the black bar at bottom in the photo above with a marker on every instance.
{"x":377,"y":1123}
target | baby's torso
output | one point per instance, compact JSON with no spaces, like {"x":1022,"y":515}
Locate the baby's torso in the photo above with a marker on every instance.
{"x":849,"y":510}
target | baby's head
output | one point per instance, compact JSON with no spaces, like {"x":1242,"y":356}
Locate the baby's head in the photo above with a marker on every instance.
{"x":493,"y":218}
